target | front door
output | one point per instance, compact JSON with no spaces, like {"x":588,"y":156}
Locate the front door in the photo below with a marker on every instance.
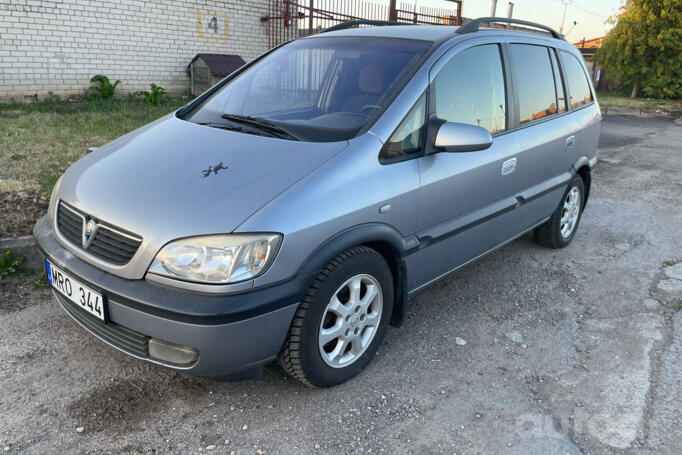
{"x":467,"y":199}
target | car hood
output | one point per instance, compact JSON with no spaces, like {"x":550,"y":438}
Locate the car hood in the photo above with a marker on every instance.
{"x":153,"y":183}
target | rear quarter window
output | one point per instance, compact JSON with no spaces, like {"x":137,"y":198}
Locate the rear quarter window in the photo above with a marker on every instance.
{"x":578,"y":86}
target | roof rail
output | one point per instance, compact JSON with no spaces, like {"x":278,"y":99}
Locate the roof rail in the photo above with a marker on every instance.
{"x":349,"y":24}
{"x":474,"y":25}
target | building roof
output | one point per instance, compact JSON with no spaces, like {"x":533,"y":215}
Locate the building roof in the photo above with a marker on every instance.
{"x":220,"y":64}
{"x":589,"y":43}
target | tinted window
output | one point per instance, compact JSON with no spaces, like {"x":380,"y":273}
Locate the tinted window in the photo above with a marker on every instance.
{"x":537,"y":96}
{"x":470,"y":89}
{"x":578,"y":87}
{"x":561,"y":94}
{"x":409,"y":137}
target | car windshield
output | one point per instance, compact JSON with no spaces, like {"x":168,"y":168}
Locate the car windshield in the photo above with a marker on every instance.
{"x":318,"y":89}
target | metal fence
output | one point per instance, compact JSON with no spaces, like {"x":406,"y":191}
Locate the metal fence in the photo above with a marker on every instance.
{"x":407,"y":12}
{"x":290,"y":19}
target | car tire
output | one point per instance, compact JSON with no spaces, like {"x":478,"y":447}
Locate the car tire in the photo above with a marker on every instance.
{"x":341,"y":321}
{"x":559,"y":230}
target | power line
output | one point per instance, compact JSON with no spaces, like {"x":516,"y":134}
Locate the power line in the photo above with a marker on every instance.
{"x":583,"y":9}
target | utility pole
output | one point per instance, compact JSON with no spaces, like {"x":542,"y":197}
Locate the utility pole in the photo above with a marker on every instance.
{"x":510,"y":10}
{"x":566,"y":3}
{"x":493,"y":8}
{"x":392,"y":10}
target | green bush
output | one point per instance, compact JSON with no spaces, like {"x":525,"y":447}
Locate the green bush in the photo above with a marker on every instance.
{"x":643,"y":51}
{"x":154,"y":96}
{"x":9,"y":265}
{"x":52,"y":99}
{"x":102,"y":87}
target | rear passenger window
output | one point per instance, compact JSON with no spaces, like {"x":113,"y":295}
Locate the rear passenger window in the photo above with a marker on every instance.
{"x":578,"y":87}
{"x":537,"y":95}
{"x":470,"y":89}
{"x":561,"y":93}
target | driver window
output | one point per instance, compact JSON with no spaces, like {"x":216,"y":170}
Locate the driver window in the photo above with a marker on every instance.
{"x":408,"y":139}
{"x":470,"y":89}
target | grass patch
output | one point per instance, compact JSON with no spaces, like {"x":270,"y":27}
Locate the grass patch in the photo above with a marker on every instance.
{"x":611,"y":100}
{"x":39,"y":141}
{"x":47,"y":181}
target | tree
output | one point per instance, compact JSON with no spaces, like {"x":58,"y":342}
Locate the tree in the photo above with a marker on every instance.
{"x":644,"y":48}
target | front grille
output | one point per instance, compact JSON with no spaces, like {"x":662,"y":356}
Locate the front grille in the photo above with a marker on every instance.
{"x":123,"y":338}
{"x":109,"y":244}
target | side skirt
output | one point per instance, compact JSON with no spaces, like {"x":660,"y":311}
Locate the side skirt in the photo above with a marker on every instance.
{"x":506,"y":242}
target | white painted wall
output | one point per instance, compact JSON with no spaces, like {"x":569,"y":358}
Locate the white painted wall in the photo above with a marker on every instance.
{"x":57,"y":46}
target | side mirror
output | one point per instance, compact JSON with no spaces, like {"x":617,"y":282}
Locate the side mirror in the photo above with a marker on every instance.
{"x":459,"y":137}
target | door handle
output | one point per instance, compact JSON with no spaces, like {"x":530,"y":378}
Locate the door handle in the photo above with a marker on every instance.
{"x":570,"y":141}
{"x":509,"y":166}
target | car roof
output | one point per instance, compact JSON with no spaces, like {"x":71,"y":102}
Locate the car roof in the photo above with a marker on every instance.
{"x":433,"y":33}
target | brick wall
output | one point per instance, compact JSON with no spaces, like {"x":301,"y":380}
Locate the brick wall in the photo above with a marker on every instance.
{"x":59,"y":45}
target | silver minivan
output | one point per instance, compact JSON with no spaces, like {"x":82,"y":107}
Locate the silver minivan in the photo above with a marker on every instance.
{"x":290,"y":211}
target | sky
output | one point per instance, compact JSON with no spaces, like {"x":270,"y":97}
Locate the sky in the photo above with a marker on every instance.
{"x":589,"y":14}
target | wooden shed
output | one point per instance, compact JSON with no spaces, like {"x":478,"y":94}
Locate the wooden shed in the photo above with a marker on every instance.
{"x":207,"y":69}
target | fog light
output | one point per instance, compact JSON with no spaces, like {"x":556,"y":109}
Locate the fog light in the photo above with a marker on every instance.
{"x":172,"y":353}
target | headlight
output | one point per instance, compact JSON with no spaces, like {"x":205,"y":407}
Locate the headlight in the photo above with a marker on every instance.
{"x":53,"y":196}
{"x":217,"y":258}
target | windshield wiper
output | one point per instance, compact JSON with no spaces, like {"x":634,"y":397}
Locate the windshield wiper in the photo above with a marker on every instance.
{"x":261,"y":123}
{"x":224,"y":126}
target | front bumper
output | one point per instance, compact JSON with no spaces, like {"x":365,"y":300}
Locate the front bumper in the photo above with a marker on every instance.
{"x":235,"y":334}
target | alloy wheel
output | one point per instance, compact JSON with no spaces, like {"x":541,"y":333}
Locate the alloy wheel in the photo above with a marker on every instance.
{"x":350,"y":321}
{"x":570,"y":212}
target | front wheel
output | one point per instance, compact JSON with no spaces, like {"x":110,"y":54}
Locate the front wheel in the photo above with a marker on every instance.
{"x":559,"y":230}
{"x":341,"y":321}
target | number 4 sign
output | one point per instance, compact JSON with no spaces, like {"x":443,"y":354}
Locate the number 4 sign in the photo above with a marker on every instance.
{"x":212,"y":25}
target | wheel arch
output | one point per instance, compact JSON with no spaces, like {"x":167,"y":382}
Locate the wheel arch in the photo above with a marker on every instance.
{"x":383,"y":239}
{"x":583,"y":169}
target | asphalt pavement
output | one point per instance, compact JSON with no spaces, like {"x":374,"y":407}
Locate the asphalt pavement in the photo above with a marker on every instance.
{"x":561,"y":352}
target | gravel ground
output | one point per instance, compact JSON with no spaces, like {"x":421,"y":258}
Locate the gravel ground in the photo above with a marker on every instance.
{"x":572,"y":351}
